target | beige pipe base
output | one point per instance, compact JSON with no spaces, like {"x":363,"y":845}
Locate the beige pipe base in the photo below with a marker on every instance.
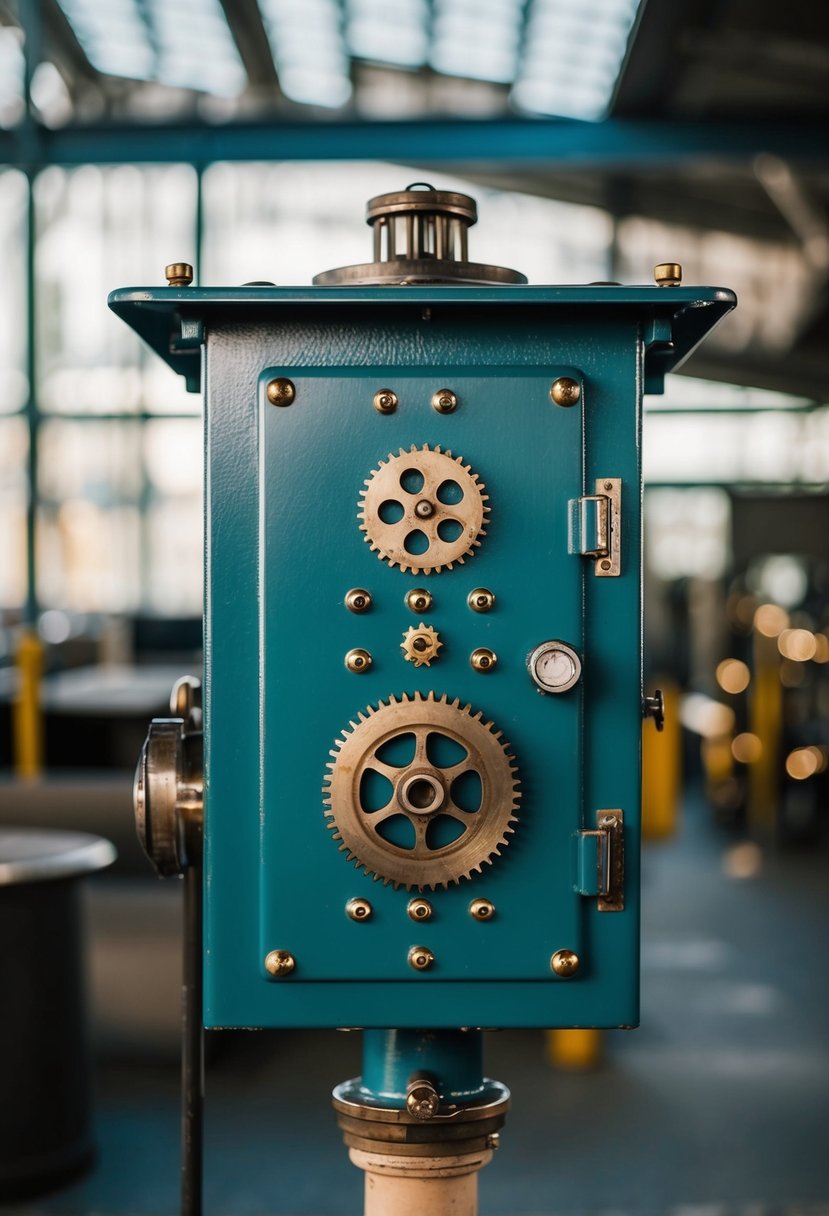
{"x":414,"y":1186}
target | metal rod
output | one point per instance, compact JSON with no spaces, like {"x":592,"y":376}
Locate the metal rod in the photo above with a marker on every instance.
{"x":192,"y":1047}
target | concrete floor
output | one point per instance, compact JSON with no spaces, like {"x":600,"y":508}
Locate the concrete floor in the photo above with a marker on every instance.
{"x":719,"y":1104}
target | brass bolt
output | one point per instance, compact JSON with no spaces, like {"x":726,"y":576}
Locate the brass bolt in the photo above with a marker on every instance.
{"x":359,"y":909}
{"x":421,"y":958}
{"x":481,"y":600}
{"x":424,"y":509}
{"x":385,"y":401}
{"x":483,"y":659}
{"x":493,"y":1141}
{"x":279,"y":963}
{"x":565,"y":963}
{"x":358,"y":661}
{"x":178,"y":274}
{"x":482,"y":909}
{"x":418,"y":600}
{"x":422,"y":1099}
{"x":419,"y":909}
{"x":565,"y":391}
{"x":668,"y":274}
{"x":358,"y":600}
{"x":280,"y":391}
{"x":444,"y":401}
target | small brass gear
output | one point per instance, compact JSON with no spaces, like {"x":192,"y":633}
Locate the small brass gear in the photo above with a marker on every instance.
{"x":421,"y":792}
{"x":421,"y":645}
{"x":423,"y":510}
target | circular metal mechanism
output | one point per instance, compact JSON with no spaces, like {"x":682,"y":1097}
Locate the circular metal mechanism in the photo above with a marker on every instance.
{"x":481,"y":600}
{"x":279,"y":963}
{"x":418,"y":600}
{"x":483,"y":659}
{"x":565,"y":391}
{"x":421,"y":645}
{"x":359,"y":909}
{"x":565,"y":963}
{"x":482,"y":909}
{"x":178,"y":274}
{"x":421,"y":792}
{"x":280,"y":391}
{"x":444,"y":401}
{"x":168,"y":795}
{"x":358,"y":661}
{"x":421,"y":958}
{"x":554,"y":667}
{"x":423,"y":510}
{"x":385,"y":401}
{"x":419,"y":909}
{"x":420,"y":236}
{"x":422,"y":1099}
{"x":668,"y":274}
{"x":358,"y":600}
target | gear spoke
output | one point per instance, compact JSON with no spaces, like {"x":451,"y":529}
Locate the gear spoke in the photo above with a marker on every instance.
{"x":389,"y":771}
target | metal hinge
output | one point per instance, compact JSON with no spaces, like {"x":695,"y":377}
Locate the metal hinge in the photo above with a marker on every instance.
{"x":601,"y":861}
{"x":596,"y":526}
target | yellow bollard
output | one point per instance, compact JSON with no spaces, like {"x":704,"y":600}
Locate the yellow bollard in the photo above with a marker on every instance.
{"x":27,"y":719}
{"x":662,"y":769}
{"x":574,"y":1050}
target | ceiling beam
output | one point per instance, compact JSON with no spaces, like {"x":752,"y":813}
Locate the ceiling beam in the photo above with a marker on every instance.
{"x":648,"y":146}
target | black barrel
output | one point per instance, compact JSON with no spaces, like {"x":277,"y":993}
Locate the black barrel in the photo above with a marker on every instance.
{"x":46,"y":1134}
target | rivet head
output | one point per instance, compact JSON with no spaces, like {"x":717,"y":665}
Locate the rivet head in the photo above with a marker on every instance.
{"x":385,"y":401}
{"x":483,"y":659}
{"x":418,"y":600}
{"x":565,"y":963}
{"x":280,"y":391}
{"x":424,"y":509}
{"x":359,"y":909}
{"x":421,"y":958}
{"x":178,"y":274}
{"x":279,"y":963}
{"x":668,"y":274}
{"x":565,"y":391}
{"x":482,"y":909}
{"x":444,"y":401}
{"x":422,"y":1099}
{"x":358,"y":600}
{"x":481,"y":600}
{"x":419,"y":909}
{"x":358,"y":661}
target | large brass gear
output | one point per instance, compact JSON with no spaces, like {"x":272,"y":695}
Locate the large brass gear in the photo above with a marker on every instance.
{"x":423,"y":792}
{"x":444,"y":516}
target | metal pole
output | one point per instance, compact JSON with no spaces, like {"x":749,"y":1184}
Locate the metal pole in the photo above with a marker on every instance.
{"x":192,"y":1046}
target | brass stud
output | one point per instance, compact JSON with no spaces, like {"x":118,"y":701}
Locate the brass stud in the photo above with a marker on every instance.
{"x":565,"y":963}
{"x":385,"y":401}
{"x":668,"y":274}
{"x":419,"y":909}
{"x":483,"y":659}
{"x":481,"y":599}
{"x":482,"y":909}
{"x":422,"y":1099}
{"x":359,"y":909}
{"x":424,"y":509}
{"x":418,"y":600}
{"x":565,"y":391}
{"x":280,"y":391}
{"x":358,"y":661}
{"x":444,"y":401}
{"x":421,"y":958}
{"x":279,"y":963}
{"x":358,"y":600}
{"x":178,"y":274}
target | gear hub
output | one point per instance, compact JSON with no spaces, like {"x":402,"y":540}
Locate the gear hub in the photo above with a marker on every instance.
{"x":421,"y":792}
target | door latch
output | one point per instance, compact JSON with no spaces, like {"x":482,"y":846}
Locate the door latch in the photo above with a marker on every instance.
{"x":596,"y":526}
{"x":601,"y":861}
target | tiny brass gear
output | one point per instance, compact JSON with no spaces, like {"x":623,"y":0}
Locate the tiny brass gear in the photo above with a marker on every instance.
{"x":421,"y":645}
{"x":423,"y":510}
{"x":445,"y":814}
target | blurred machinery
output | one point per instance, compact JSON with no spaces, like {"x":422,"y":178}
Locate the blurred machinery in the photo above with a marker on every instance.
{"x":418,"y":762}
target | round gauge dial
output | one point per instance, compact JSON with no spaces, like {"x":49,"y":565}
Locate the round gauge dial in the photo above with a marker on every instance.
{"x":554,"y":666}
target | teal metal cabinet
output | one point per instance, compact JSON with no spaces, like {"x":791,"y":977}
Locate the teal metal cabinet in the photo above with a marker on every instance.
{"x":403,"y":836}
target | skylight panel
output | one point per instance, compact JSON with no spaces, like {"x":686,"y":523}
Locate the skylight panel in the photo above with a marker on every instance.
{"x":388,"y":31}
{"x":308,"y":49}
{"x":477,"y":40}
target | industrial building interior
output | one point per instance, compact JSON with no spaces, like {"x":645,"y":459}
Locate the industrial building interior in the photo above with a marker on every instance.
{"x":599,"y":138}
